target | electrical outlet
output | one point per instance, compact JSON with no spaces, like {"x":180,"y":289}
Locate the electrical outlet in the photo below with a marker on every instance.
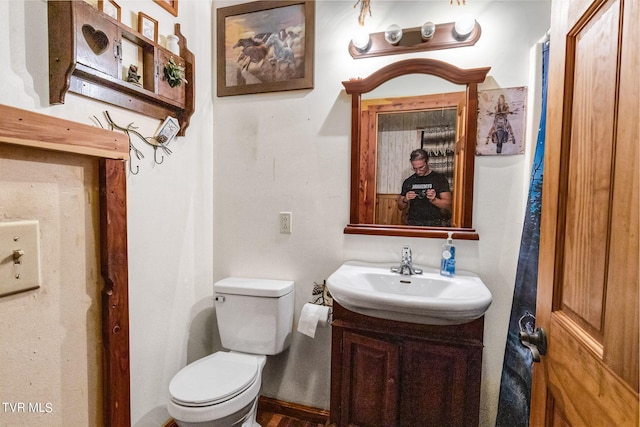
{"x":285,"y":222}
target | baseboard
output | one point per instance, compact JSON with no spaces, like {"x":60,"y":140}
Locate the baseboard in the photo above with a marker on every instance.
{"x":302,"y":412}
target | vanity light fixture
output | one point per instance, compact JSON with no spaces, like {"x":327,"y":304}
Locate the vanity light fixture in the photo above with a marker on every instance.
{"x":428,"y":37}
{"x":464,"y":26}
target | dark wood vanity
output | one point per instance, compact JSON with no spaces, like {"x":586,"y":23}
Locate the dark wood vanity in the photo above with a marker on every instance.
{"x":389,"y":373}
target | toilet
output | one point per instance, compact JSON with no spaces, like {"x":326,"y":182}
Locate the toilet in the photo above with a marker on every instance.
{"x":255,"y":319}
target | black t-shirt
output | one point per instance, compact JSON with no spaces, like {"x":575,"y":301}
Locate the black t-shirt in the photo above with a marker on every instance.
{"x":421,"y":210}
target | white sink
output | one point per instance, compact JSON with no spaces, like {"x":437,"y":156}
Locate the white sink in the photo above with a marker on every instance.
{"x":427,"y":298}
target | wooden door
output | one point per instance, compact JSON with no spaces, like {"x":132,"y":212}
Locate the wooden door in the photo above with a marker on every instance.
{"x":588,"y":267}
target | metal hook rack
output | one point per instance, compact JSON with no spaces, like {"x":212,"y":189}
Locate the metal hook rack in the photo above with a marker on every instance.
{"x":130,"y":130}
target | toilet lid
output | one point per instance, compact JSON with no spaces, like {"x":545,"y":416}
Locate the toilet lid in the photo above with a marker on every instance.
{"x":213,"y":379}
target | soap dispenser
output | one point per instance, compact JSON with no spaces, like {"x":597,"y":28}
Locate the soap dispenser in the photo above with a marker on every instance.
{"x":448,"y":262}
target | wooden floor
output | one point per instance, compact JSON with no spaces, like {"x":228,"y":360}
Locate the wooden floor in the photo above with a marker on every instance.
{"x":269,"y":419}
{"x":277,"y":413}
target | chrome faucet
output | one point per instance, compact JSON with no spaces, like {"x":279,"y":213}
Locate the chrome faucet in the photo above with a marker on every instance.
{"x":406,"y":265}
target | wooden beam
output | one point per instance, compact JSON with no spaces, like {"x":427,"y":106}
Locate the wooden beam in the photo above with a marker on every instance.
{"x":115,"y":294}
{"x":37,"y":130}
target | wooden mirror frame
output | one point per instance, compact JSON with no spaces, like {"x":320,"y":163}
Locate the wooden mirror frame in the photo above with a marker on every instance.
{"x":363,"y":164}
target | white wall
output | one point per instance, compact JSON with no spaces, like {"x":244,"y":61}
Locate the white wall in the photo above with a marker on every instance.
{"x":211,"y":209}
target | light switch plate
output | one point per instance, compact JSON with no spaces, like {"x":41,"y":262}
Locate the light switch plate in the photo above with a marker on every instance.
{"x":19,"y":257}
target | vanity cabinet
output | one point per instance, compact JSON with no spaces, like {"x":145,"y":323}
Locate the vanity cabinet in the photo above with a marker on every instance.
{"x":86,"y":49}
{"x":388,"y":373}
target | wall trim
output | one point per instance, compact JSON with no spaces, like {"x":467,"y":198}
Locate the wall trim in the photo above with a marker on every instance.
{"x":296,"y":410}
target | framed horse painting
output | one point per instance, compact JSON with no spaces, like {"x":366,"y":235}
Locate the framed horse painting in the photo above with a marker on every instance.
{"x":265,"y":46}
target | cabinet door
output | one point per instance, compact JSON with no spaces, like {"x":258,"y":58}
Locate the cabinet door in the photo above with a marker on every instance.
{"x":369,"y":381}
{"x":440,"y":385}
{"x":176,"y":94}
{"x":97,"y":41}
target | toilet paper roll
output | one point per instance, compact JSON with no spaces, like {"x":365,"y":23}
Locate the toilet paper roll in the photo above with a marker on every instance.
{"x":312,"y":316}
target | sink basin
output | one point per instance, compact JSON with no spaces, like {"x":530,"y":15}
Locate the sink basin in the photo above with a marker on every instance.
{"x":427,"y":298}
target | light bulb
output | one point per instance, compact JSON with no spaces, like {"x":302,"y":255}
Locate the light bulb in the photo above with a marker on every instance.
{"x":393,"y":34}
{"x":427,"y":30}
{"x":464,"y":25}
{"x":361,"y":40}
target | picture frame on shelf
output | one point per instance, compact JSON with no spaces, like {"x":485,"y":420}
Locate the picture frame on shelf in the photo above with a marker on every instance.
{"x":170,"y":6}
{"x":110,"y":8}
{"x":275,"y":52}
{"x":167,"y":130}
{"x":148,"y":27}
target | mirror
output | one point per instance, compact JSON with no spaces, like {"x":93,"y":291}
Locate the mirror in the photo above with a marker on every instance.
{"x":368,"y":204}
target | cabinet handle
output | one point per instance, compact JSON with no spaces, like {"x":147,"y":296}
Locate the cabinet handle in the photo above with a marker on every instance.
{"x":116,"y":49}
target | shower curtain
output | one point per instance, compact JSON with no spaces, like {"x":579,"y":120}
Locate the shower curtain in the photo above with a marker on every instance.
{"x":515,"y":385}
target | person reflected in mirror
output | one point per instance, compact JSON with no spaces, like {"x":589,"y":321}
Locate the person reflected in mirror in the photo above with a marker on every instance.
{"x":426,"y":194}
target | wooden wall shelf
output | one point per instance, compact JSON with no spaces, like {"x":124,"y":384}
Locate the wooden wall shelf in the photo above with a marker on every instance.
{"x":443,"y":38}
{"x":85,"y":57}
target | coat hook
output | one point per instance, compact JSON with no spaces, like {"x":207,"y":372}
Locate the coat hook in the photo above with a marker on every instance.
{"x":131,"y":169}
{"x":155,"y":156}
{"x":138,"y":155}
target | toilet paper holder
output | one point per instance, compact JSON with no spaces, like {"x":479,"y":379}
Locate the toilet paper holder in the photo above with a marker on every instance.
{"x":318,"y":312}
{"x":321,"y":295}
{"x":312,"y":317}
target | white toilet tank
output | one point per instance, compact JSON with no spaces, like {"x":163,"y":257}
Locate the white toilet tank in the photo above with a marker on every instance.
{"x":254,"y":315}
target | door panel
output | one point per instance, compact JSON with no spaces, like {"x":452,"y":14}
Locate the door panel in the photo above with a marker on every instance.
{"x":588,"y":269}
{"x":437,"y":387}
{"x":589,"y":166}
{"x":369,"y":381}
{"x":97,"y":41}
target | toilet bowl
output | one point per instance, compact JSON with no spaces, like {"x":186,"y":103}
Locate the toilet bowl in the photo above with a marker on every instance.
{"x":255,"y":319}
{"x":218,"y":390}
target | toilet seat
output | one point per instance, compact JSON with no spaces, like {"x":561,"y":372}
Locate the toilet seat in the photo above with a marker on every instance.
{"x":214,"y":379}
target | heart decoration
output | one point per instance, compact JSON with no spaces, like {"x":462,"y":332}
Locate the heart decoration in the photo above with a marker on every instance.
{"x":96,"y":39}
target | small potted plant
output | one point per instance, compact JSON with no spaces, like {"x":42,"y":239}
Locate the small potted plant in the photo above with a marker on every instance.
{"x":174,"y":73}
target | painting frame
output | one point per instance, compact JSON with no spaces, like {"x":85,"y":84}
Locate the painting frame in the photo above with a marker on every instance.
{"x":293,"y":21}
{"x":148,"y":27}
{"x":170,"y":6}
{"x":502,"y":114}
{"x":110,"y":8}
